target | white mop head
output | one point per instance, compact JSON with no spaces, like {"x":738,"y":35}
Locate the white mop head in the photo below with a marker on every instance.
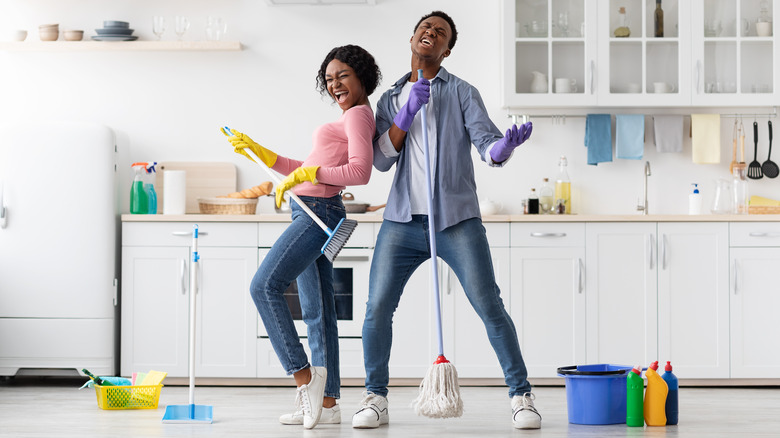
{"x":439,"y":392}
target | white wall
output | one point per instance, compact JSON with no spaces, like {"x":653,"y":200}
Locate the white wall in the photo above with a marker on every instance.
{"x":168,"y":106}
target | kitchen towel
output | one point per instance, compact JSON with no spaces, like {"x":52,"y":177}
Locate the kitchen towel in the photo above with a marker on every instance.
{"x":174,"y":191}
{"x":705,"y":138}
{"x":668,"y":133}
{"x":630,"y":136}
{"x":598,"y":138}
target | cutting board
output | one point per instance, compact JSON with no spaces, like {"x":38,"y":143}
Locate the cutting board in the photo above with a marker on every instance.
{"x":204,"y":180}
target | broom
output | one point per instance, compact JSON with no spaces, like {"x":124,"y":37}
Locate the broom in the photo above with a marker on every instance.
{"x":337,"y":237}
{"x":439,"y":395}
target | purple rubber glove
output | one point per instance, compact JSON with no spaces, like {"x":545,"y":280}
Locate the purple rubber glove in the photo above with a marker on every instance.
{"x":515,"y":136}
{"x":420,"y":94}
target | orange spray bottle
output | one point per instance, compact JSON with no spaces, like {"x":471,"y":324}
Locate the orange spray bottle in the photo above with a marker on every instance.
{"x":655,"y":397}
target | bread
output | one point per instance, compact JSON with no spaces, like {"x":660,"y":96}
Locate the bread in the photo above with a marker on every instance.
{"x":253,"y":192}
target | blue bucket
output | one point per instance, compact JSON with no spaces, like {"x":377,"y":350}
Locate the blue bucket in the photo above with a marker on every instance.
{"x":596,"y":394}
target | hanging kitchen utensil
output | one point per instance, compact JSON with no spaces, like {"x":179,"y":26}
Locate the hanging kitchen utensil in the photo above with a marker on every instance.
{"x":754,"y":169}
{"x":770,"y":167}
{"x":741,"y":134}
{"x":734,"y":148}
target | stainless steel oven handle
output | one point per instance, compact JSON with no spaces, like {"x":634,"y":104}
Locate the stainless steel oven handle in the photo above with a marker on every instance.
{"x":342,"y":258}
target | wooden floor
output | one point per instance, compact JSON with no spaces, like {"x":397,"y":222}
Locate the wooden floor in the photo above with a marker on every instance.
{"x":35,"y":407}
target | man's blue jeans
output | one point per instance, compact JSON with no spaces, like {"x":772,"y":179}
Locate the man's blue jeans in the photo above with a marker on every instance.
{"x":296,"y":255}
{"x":400,"y":249}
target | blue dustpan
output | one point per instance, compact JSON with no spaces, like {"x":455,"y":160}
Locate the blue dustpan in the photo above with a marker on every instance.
{"x":188,"y":414}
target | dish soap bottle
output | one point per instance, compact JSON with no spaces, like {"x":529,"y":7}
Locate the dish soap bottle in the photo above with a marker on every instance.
{"x":546,"y":194}
{"x":635,"y":388}
{"x":151,"y":195}
{"x":672,"y":402}
{"x":655,"y":397}
{"x":139,"y":202}
{"x":694,"y":200}
{"x":563,"y":187}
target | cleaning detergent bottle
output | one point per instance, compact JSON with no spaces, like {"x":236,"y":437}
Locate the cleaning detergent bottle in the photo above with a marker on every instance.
{"x":694,"y":201}
{"x":635,"y":389}
{"x":151,"y":195}
{"x":672,"y":403}
{"x":139,"y":202}
{"x":655,"y":397}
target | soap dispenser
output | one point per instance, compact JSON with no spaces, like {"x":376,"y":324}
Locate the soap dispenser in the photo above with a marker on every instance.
{"x":694,"y":200}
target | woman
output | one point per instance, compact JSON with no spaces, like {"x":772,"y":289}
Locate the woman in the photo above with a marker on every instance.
{"x":342,"y":155}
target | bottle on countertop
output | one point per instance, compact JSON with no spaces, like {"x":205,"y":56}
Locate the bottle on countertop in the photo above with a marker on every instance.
{"x":635,"y":388}
{"x":533,"y":202}
{"x":694,"y":200}
{"x":672,"y":401}
{"x":546,"y":197}
{"x":151,"y":195}
{"x":659,"y":19}
{"x":655,"y":397}
{"x":139,"y":202}
{"x":563,"y":186}
{"x":739,"y":187}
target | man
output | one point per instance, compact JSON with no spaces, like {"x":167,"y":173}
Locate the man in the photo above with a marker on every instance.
{"x":456,"y":119}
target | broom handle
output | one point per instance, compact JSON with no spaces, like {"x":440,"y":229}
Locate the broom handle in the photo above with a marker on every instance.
{"x":290,"y":192}
{"x":431,"y":221}
{"x":193,"y":301}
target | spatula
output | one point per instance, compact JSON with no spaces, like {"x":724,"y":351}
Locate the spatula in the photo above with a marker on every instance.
{"x":754,"y":168}
{"x":770,"y":167}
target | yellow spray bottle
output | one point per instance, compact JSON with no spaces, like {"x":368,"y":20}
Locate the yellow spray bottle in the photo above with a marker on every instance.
{"x":655,"y":397}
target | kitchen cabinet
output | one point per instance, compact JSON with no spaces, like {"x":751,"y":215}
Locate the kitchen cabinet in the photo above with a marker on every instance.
{"x":114,"y":46}
{"x":547,"y":294}
{"x":155,"y":299}
{"x":754,"y":264}
{"x":621,"y":287}
{"x":693,"y":303}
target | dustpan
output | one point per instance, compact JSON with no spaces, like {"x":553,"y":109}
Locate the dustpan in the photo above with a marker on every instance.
{"x":191,"y":413}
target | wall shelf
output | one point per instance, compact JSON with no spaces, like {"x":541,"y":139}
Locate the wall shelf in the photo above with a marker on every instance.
{"x":93,"y":46}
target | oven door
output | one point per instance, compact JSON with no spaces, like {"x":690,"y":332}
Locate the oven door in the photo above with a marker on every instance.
{"x":350,"y":281}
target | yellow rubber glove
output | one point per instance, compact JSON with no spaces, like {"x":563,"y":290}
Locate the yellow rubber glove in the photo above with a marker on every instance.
{"x":299,"y":175}
{"x":241,"y":141}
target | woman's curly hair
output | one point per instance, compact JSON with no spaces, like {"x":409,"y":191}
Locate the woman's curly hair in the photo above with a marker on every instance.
{"x":360,"y":60}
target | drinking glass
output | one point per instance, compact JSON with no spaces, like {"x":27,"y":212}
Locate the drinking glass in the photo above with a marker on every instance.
{"x":158,"y":26}
{"x":563,"y":24}
{"x":215,"y":28}
{"x":182,"y":24}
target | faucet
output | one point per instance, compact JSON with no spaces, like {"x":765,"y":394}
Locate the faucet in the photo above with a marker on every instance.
{"x":643,"y":206}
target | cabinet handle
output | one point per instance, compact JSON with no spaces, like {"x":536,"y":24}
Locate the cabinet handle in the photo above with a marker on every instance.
{"x":592,"y":75}
{"x":581,"y":275}
{"x":189,"y":233}
{"x":182,"y":270}
{"x":698,"y":77}
{"x":736,"y":276}
{"x":663,"y":252}
{"x":548,"y":234}
{"x":650,"y":246}
{"x":763,"y":234}
{"x":342,"y":258}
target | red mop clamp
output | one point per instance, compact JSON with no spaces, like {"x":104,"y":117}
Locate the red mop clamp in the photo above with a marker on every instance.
{"x":441,"y":359}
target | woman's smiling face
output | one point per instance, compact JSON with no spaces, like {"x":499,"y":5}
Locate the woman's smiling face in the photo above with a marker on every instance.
{"x":344,"y":86}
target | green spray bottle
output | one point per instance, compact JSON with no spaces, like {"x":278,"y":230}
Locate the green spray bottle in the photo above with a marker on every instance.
{"x":139,"y":202}
{"x":634,"y":404}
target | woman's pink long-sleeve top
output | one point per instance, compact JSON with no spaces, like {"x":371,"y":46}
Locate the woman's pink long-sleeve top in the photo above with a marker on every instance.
{"x":344,"y":151}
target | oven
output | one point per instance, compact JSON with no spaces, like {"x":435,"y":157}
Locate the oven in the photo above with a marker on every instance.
{"x":351,"y":269}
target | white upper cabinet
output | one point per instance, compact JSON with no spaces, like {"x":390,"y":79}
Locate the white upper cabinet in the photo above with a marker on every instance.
{"x":612,"y":53}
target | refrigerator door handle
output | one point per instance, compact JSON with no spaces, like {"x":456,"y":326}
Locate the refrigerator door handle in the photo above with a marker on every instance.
{"x":2,"y":207}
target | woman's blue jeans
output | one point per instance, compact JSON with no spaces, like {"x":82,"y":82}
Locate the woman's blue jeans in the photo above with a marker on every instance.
{"x":400,"y":249}
{"x":296,"y":255}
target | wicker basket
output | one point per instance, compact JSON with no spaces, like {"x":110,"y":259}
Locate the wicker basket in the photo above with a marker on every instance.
{"x":227,"y":205}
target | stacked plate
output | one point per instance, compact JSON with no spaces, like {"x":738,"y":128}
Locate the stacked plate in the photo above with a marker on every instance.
{"x":115,"y":31}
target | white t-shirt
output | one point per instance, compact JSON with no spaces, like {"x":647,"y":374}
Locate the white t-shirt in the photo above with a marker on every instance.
{"x":418,"y":198}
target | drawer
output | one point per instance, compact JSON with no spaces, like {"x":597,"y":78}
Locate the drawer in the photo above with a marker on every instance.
{"x":497,"y":234}
{"x":362,"y":237}
{"x":542,"y":234}
{"x":229,"y":234}
{"x":754,"y":233}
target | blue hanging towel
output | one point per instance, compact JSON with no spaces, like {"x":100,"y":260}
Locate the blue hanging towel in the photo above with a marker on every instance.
{"x":598,"y":138}
{"x":630,"y":136}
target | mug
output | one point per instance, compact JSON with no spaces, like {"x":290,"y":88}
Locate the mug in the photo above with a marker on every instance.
{"x":565,"y":85}
{"x":764,"y":28}
{"x":634,"y":88}
{"x":663,"y":87}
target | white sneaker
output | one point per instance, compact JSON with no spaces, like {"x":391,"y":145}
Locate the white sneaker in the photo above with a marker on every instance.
{"x":524,"y":414}
{"x":309,"y":397}
{"x":372,"y":412}
{"x":328,"y":416}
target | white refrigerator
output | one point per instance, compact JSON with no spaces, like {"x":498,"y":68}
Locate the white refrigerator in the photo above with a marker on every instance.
{"x":58,"y":249}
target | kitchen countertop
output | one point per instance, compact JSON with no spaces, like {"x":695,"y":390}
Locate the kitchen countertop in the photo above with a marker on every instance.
{"x":377,"y":218}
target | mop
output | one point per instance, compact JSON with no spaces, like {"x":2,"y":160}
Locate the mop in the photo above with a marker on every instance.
{"x":337,"y":237}
{"x":439,"y":395}
{"x":191,"y":413}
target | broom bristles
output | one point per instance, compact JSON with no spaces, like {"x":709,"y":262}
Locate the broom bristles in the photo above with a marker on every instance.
{"x":339,"y":238}
{"x":439,"y":393}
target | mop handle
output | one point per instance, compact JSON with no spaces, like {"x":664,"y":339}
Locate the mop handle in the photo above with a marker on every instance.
{"x":277,"y":181}
{"x":193,"y":289}
{"x":431,"y":221}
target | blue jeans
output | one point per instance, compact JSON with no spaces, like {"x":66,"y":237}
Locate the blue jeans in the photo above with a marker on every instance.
{"x":296,"y":255}
{"x":400,"y":249}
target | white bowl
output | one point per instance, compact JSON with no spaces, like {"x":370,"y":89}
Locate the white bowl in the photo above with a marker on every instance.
{"x":49,"y":35}
{"x":73,"y":35}
{"x":18,"y":35}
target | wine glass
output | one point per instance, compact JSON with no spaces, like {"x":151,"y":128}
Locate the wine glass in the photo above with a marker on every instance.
{"x":182,"y":24}
{"x":158,"y":26}
{"x":563,"y":23}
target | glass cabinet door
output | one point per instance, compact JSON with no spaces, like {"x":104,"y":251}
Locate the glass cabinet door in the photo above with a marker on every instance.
{"x":549,"y":54}
{"x":735,"y":56}
{"x":642,"y":45}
